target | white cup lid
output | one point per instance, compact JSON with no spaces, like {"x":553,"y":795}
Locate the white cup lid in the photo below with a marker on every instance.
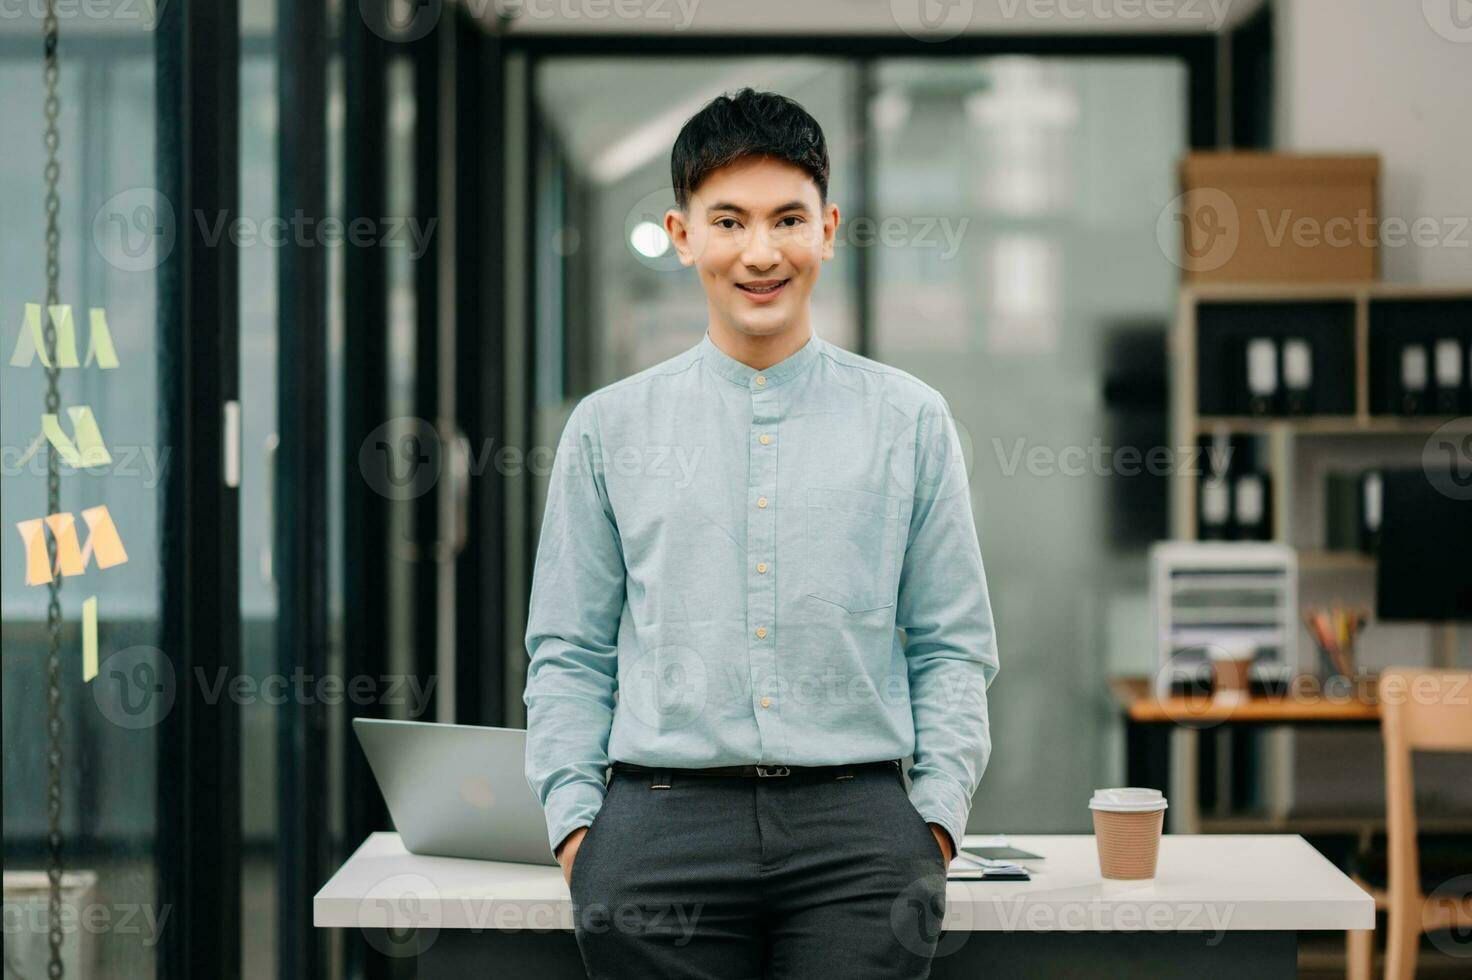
{"x":1128,"y":799}
{"x":1232,"y":650}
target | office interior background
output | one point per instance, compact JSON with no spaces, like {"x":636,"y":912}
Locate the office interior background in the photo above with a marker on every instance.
{"x":359,"y":260}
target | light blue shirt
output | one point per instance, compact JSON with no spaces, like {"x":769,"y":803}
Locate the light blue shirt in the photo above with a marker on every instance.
{"x":740,"y":567}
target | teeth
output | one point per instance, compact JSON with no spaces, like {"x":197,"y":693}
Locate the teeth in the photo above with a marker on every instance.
{"x":762,"y":289}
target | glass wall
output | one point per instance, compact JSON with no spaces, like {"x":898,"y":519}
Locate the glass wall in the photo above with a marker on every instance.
{"x":259,"y":655}
{"x":1027,"y":273}
{"x":1012,"y":264}
{"x":114,"y":230}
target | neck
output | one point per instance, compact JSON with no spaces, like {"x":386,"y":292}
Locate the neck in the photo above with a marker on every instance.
{"x":760,"y":353}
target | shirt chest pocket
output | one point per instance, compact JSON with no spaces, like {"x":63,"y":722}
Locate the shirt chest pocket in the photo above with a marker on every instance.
{"x":851,"y":546}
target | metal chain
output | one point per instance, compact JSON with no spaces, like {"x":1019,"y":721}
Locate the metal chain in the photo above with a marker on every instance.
{"x":50,"y":34}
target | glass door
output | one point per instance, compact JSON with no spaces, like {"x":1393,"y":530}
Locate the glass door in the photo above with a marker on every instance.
{"x":90,"y":684}
{"x":1028,"y":272}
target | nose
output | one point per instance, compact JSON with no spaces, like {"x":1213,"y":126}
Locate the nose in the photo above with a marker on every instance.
{"x":759,"y":251}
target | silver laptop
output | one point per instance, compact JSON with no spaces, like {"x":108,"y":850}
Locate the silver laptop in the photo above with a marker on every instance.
{"x":457,"y":790}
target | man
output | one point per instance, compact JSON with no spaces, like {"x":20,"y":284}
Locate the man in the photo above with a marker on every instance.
{"x":758,"y":588}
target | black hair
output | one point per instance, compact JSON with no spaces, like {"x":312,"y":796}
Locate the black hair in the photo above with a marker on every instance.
{"x":747,"y":124}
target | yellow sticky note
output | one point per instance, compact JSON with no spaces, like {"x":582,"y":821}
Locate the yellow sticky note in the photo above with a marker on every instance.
{"x":31,"y":342}
{"x":89,"y":638}
{"x":66,"y":335}
{"x":88,"y":450}
{"x":99,"y":344}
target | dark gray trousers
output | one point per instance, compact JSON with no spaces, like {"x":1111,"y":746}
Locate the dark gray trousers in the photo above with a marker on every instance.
{"x":738,"y":878}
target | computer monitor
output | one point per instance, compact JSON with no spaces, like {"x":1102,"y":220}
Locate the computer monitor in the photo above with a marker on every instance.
{"x":1425,"y":557}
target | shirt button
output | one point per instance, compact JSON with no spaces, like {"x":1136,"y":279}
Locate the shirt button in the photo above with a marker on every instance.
{"x":764,"y":439}
{"x":766,"y":702}
{"x":761,"y":567}
{"x":761,"y":632}
{"x":761,"y":501}
{"x":761,"y":379}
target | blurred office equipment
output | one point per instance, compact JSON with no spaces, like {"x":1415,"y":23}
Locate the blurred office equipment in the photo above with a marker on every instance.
{"x":1270,"y":359}
{"x":1418,"y":353}
{"x":1215,"y":508}
{"x":1334,"y":632}
{"x":1298,"y":376}
{"x":1352,"y":511}
{"x":1250,"y":507}
{"x":1425,"y":569}
{"x":1451,"y":395}
{"x":1262,"y":376}
{"x":1302,"y":765}
{"x":27,"y":953}
{"x":1420,"y":890}
{"x":1352,"y":337}
{"x":1235,"y":490}
{"x":1214,"y":595}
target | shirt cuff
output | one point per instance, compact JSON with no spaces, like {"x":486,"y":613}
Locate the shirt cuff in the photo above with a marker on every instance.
{"x":570,"y":807}
{"x":939,"y":799}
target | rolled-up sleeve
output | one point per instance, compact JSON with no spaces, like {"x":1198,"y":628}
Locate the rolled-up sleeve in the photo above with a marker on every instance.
{"x":576,"y":602}
{"x":950,"y":640}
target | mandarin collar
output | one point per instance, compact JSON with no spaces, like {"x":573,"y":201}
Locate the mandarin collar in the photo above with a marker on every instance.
{"x":745,"y":375}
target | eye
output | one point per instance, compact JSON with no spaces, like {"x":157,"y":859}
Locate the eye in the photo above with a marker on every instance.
{"x":795,"y":219}
{"x":722,"y":223}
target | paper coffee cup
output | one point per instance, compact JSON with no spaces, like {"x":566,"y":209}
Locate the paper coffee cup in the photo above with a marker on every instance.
{"x":1231,"y":666}
{"x":1127,"y":826}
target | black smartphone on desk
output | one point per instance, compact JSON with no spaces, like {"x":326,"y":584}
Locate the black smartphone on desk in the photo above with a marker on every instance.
{"x":954,"y":873}
{"x":1001,"y":853}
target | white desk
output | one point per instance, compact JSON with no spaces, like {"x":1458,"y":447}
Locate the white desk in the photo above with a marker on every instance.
{"x":1220,"y":905}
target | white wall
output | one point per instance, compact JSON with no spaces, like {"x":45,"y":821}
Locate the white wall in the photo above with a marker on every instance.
{"x":1355,"y":75}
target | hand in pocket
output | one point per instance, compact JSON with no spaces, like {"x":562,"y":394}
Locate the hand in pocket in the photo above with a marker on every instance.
{"x":568,"y":853}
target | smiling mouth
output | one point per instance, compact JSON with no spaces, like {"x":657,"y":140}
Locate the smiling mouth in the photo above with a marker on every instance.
{"x":762,"y":288}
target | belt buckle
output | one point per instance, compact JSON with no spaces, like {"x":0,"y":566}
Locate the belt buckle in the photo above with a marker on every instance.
{"x":773,"y":771}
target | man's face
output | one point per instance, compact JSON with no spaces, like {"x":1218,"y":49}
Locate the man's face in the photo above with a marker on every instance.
{"x":757,"y":234}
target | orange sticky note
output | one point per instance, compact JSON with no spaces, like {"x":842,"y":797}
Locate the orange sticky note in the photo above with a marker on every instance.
{"x":70,"y":559}
{"x":34,"y":538}
{"x":103,"y":542}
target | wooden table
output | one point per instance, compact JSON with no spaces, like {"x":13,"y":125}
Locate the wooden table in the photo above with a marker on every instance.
{"x":1151,"y":722}
{"x":1304,"y":706}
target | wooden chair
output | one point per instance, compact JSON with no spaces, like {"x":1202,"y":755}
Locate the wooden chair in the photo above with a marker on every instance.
{"x":1429,"y":711}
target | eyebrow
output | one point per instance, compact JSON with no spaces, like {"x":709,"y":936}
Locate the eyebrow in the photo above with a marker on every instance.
{"x":738,"y":209}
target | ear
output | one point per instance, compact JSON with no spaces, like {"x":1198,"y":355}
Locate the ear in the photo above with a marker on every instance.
{"x":830,"y":229}
{"x":677,"y":228}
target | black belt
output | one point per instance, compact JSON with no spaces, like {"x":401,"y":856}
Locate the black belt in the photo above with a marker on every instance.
{"x":762,"y":771}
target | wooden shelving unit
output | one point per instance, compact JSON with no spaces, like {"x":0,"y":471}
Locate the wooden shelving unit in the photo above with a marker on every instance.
{"x":1188,"y":425}
{"x":1283,"y":439}
{"x":1323,"y":424}
{"x":1334,"y":561}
